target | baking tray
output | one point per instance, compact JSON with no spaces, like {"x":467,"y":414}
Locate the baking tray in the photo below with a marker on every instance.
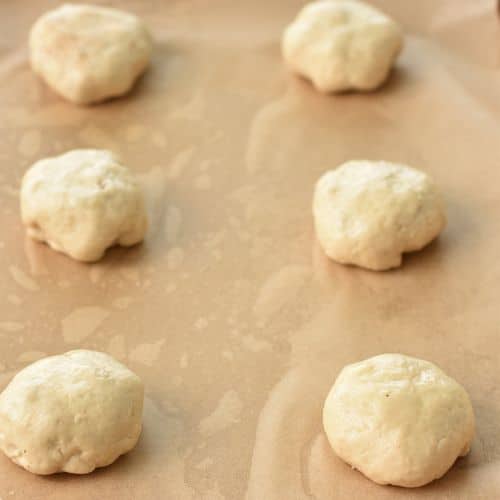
{"x":229,"y":311}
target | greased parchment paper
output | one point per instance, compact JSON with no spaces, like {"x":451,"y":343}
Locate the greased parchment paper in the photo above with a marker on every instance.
{"x":230,"y":312}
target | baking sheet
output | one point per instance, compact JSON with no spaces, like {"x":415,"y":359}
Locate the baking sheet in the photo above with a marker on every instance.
{"x":229,"y":312}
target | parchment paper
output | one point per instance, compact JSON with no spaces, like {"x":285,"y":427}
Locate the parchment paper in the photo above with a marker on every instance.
{"x":230,"y":312}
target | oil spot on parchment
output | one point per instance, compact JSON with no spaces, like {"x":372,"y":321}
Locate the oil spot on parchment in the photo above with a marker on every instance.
{"x":146,"y":354}
{"x":226,"y":413}
{"x":82,"y":322}
{"x":23,"y":280}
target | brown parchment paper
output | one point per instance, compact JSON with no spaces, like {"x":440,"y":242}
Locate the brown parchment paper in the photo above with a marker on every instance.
{"x":229,"y":311}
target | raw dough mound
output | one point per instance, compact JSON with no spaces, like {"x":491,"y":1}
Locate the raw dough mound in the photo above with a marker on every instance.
{"x":399,"y":420}
{"x":71,"y":413}
{"x":369,"y":213}
{"x":341,"y":45}
{"x":88,"y":53}
{"x":83,"y":202}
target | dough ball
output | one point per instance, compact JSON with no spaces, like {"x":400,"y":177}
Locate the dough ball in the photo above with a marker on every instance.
{"x":71,"y":413}
{"x":342,"y":45}
{"x":83,"y":202}
{"x":369,"y":213}
{"x":88,"y":53}
{"x":399,"y":420}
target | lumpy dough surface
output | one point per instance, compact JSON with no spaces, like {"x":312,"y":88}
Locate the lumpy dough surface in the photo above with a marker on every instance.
{"x":342,"y":45}
{"x":71,"y":413}
{"x":369,"y":213}
{"x":83,"y":202}
{"x":88,"y":53}
{"x":397,"y":419}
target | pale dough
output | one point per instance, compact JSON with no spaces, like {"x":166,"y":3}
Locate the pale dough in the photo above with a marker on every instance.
{"x":83,"y":202}
{"x":71,"y":413}
{"x":88,"y":53}
{"x":399,"y":420}
{"x":369,"y":213}
{"x":342,"y":45}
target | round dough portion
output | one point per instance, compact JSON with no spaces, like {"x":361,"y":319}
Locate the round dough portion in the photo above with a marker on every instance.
{"x":71,"y":413}
{"x":397,"y":419}
{"x":88,"y":53}
{"x":83,"y":202}
{"x":342,"y":45}
{"x":369,"y":213}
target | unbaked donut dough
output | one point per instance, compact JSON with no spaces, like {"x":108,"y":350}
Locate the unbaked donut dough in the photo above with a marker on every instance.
{"x":397,"y":419}
{"x":88,"y":53}
{"x":369,"y":213}
{"x":71,"y":413}
{"x":341,"y":45}
{"x":83,"y":202}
